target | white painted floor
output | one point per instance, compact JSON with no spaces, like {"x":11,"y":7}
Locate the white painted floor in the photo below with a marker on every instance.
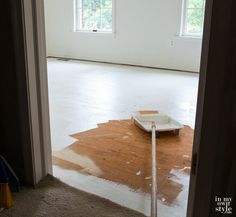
{"x":82,"y":94}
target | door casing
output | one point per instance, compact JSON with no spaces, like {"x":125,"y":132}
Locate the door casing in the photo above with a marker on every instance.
{"x":38,"y":93}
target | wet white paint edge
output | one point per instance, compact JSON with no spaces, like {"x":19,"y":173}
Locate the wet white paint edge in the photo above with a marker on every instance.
{"x":125,"y":196}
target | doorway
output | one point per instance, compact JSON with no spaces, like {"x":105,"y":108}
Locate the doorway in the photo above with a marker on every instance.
{"x":152,"y":71}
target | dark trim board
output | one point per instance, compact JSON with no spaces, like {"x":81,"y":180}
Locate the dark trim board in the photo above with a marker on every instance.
{"x":122,"y":64}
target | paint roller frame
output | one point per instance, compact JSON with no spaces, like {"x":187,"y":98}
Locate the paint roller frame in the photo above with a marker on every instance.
{"x":151,"y":125}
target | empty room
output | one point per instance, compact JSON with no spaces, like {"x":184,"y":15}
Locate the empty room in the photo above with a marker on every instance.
{"x":122,"y":75}
{"x":90,"y":128}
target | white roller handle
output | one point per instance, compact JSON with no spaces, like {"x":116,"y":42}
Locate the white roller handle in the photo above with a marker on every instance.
{"x":154,"y":173}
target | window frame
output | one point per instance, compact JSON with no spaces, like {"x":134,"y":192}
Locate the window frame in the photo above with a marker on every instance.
{"x":77,"y":26}
{"x":183,"y":26}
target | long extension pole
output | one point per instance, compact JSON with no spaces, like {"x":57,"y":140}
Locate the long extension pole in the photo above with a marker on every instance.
{"x":154,"y":173}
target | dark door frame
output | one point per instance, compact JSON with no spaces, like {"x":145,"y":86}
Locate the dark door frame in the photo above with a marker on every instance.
{"x":214,"y":151}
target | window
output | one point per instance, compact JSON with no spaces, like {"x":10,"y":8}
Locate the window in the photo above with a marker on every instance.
{"x":193,"y":17}
{"x":93,"y":15}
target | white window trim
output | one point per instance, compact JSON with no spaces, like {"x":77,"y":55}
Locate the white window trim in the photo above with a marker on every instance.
{"x":75,"y":25}
{"x":183,"y":26}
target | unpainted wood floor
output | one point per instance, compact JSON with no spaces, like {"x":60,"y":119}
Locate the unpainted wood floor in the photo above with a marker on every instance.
{"x":120,"y":152}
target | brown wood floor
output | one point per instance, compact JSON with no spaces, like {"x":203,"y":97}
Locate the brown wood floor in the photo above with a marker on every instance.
{"x":122,"y":154}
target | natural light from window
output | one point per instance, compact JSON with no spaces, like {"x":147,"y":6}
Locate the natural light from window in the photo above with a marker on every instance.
{"x":193,"y":17}
{"x":93,"y":15}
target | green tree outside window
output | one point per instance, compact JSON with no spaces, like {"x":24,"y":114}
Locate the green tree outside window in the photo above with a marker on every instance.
{"x":194,"y":17}
{"x":95,"y":15}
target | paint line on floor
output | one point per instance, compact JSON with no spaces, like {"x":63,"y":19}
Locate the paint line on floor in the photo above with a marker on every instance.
{"x":85,"y":162}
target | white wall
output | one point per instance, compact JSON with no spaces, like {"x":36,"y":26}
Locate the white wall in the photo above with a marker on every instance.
{"x":144,"y":29}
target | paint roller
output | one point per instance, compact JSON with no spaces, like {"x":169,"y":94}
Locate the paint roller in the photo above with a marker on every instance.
{"x":151,"y":123}
{"x":154,"y":122}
